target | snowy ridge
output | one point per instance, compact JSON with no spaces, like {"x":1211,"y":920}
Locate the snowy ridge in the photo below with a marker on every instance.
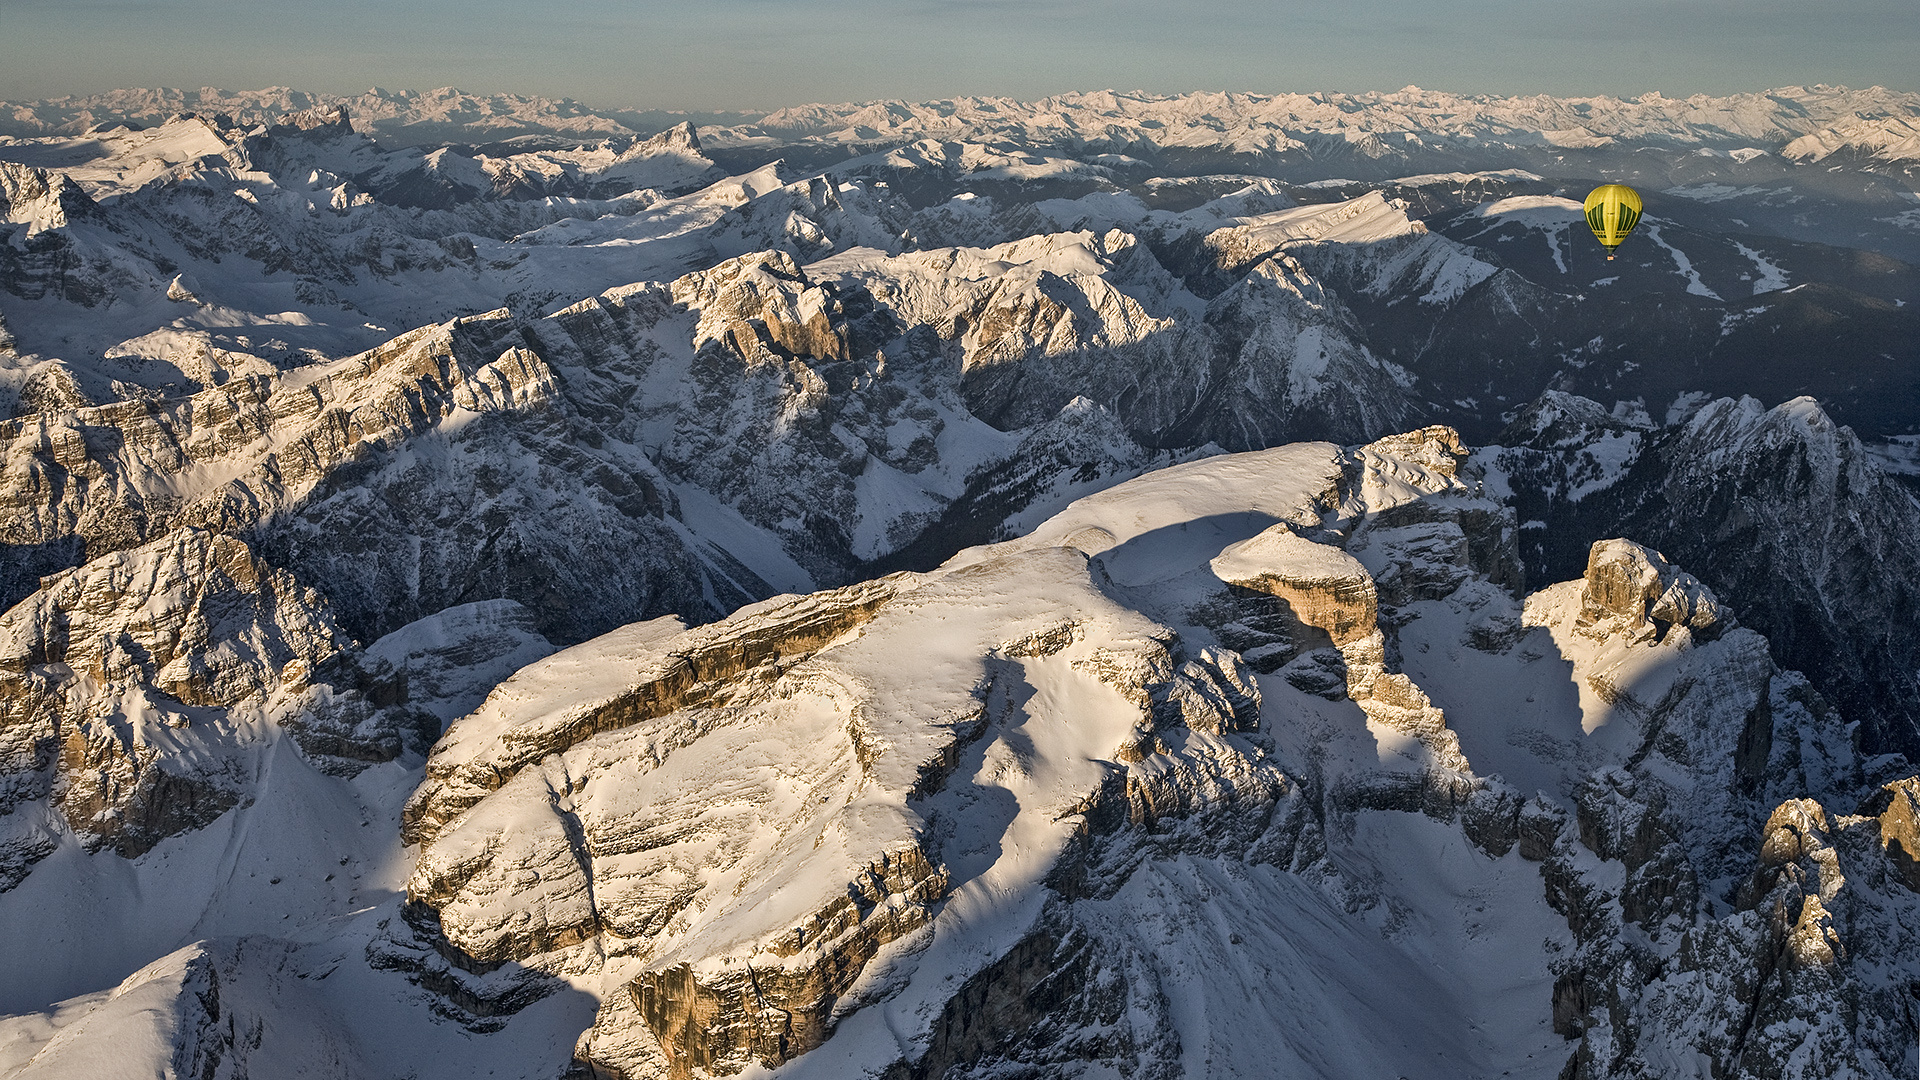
{"x":451,"y":110}
{"x":1887,"y":138}
{"x":1239,"y":726}
{"x":1372,"y":124}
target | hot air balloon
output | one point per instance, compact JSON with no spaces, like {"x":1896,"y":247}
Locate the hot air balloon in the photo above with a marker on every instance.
{"x":1612,"y":212}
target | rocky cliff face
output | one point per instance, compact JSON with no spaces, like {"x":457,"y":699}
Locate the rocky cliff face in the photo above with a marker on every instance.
{"x":229,"y":458}
{"x":274,"y":457}
{"x":1067,"y":803}
{"x":1780,"y":508}
{"x":855,"y":869}
{"x":106,"y":663}
{"x":138,"y":691}
{"x":1757,"y":956}
{"x":1658,"y":809}
{"x":40,"y":201}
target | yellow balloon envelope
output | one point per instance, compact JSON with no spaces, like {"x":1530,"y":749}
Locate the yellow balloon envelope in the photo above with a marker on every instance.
{"x":1612,"y":212}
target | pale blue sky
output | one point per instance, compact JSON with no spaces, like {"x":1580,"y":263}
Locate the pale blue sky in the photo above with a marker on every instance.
{"x":723,"y":54}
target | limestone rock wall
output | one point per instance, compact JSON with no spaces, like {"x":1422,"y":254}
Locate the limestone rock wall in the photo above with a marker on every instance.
{"x":104,"y":661}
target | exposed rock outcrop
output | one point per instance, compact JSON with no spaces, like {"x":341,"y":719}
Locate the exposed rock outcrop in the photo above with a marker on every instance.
{"x":1899,"y":825}
{"x":1635,"y":585}
{"x":52,"y":388}
{"x":1396,"y":489}
{"x":232,"y":457}
{"x":138,"y":692}
{"x":104,"y":660}
{"x":763,"y":301}
{"x":1782,"y":511}
{"x":1717,"y":743}
{"x":1323,"y":586}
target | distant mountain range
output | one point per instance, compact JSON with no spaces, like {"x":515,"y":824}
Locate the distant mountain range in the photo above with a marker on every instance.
{"x":1800,"y":123}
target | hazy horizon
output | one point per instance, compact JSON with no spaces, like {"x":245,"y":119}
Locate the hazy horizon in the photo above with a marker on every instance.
{"x":745,"y":55}
{"x":700,"y":114}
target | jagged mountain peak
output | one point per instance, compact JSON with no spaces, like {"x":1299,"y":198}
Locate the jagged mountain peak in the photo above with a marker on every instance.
{"x":681,"y":136}
{"x":1776,"y":504}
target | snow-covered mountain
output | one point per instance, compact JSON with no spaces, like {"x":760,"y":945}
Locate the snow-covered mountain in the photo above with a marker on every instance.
{"x":1225,"y":766}
{"x":1799,"y":519}
{"x":408,"y":117}
{"x":972,"y":588}
{"x":1374,"y":124}
{"x":1370,"y":125}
